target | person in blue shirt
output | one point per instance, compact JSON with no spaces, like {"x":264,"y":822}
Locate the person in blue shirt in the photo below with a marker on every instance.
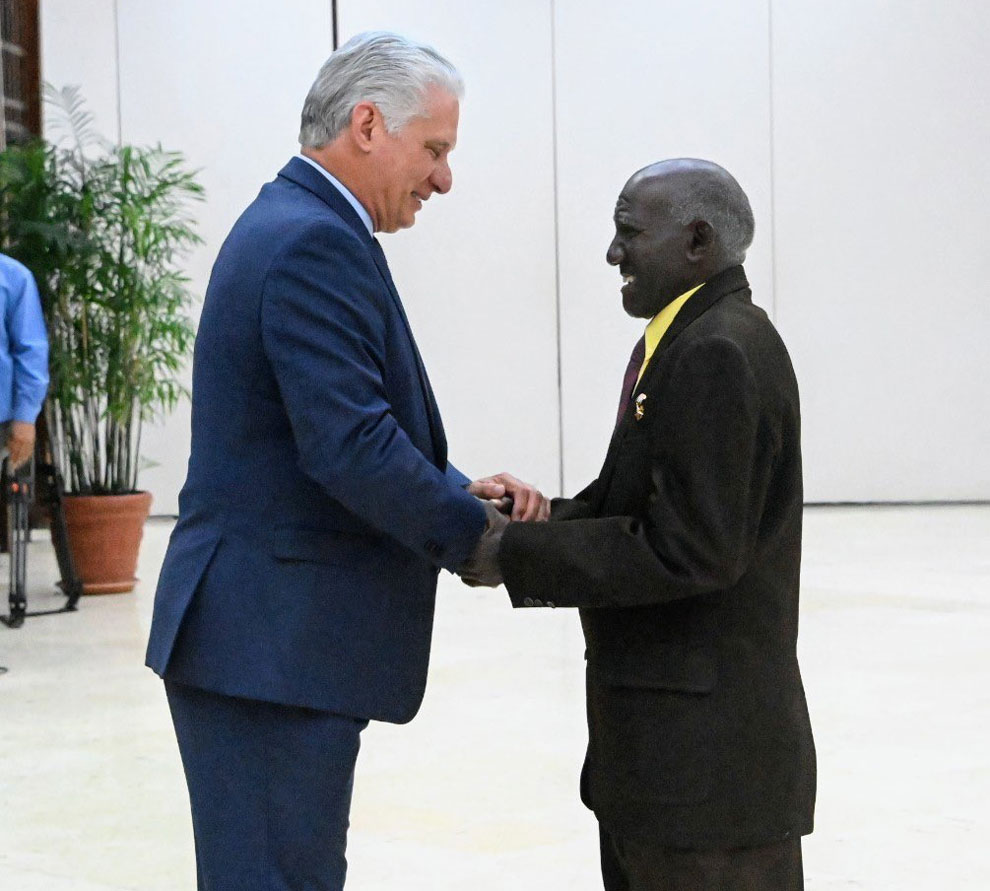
{"x":23,"y":361}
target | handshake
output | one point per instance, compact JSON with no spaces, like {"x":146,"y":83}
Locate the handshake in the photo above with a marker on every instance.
{"x":506,"y":499}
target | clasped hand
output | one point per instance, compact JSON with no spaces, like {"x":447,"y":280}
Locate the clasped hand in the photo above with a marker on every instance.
{"x":505,"y":498}
{"x":521,"y":501}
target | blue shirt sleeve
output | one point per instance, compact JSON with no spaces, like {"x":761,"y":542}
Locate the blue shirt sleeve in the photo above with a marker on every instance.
{"x":28,"y":344}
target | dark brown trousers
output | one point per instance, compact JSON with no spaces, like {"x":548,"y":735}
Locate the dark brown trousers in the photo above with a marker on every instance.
{"x":633,"y":864}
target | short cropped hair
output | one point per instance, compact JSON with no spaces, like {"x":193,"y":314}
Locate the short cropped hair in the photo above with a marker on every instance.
{"x":387,"y":69}
{"x":717,"y":198}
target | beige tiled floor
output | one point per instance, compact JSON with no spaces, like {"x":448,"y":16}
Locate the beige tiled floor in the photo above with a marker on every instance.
{"x":480,"y":790}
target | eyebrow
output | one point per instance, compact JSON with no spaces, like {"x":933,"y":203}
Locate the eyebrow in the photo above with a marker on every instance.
{"x":438,"y":143}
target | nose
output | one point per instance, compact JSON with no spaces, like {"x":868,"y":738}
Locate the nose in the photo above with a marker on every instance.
{"x":442,"y":179}
{"x":615,"y":254}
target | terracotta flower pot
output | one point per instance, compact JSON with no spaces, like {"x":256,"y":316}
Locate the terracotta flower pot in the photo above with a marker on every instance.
{"x":104,"y":536}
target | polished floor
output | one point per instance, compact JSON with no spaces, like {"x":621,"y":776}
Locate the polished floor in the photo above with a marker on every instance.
{"x":480,"y":791}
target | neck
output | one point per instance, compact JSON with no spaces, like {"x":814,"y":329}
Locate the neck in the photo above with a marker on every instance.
{"x":335,"y":159}
{"x":719,"y":267}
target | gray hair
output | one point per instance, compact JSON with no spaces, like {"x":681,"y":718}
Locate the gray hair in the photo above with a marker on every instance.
{"x":717,"y":198}
{"x":387,"y":69}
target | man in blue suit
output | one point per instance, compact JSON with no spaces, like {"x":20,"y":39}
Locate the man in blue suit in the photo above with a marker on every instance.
{"x":296,"y":598}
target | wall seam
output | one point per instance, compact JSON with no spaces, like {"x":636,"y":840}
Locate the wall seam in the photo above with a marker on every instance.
{"x":116,"y":48}
{"x":771,"y":122}
{"x":556,"y":246}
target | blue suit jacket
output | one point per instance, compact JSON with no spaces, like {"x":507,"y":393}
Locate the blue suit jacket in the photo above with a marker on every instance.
{"x":319,"y":504}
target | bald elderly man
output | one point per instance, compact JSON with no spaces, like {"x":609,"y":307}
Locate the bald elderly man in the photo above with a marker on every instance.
{"x":683,"y":558}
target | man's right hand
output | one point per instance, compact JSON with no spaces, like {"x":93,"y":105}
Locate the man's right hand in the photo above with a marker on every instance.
{"x":20,"y":442}
{"x":526,"y":503}
{"x":481,"y":568}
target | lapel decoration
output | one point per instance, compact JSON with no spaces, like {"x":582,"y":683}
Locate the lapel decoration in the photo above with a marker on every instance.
{"x":731,"y":281}
{"x":640,"y":407}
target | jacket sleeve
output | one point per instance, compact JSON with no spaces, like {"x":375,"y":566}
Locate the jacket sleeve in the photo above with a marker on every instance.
{"x":709,"y":472}
{"x":456,"y":477}
{"x":323,"y":332}
{"x":581,"y":506}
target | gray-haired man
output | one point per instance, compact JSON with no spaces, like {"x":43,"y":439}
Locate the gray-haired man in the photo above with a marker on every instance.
{"x":296,"y":599}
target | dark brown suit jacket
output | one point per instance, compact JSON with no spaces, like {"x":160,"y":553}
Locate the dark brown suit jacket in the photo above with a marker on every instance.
{"x":684,"y":559}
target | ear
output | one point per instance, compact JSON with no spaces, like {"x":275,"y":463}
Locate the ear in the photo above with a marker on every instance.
{"x":365,"y":119}
{"x":702,"y":240}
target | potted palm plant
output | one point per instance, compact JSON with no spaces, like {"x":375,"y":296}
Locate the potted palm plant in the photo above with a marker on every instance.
{"x":103,"y":228}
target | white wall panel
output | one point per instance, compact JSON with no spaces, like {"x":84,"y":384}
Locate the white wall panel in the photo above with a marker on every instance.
{"x":476,"y":273}
{"x":224,"y":83}
{"x":882,"y":122}
{"x":879,"y":118}
{"x":79,"y":48}
{"x":639,"y":81}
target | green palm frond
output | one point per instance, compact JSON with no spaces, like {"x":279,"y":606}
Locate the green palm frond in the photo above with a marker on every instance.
{"x":69,"y":117}
{"x":104,"y":229}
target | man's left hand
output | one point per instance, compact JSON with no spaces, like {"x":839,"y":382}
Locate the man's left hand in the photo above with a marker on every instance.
{"x":528,"y":503}
{"x":20,"y":442}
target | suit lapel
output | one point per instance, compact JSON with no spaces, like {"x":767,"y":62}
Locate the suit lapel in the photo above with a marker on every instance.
{"x":717,"y":288}
{"x":433,"y":411}
{"x":302,"y":174}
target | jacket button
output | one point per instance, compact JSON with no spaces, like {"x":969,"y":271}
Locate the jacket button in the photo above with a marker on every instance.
{"x":527,"y":601}
{"x":551,"y":604}
{"x":537,"y":603}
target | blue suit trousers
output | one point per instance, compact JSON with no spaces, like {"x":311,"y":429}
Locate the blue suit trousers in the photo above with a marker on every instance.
{"x":269,"y":788}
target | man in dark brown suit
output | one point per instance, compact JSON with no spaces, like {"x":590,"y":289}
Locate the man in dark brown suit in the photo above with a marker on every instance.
{"x":684,"y":559}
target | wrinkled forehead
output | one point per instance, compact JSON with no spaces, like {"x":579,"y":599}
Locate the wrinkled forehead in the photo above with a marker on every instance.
{"x":644,"y":197}
{"x":623,"y":205}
